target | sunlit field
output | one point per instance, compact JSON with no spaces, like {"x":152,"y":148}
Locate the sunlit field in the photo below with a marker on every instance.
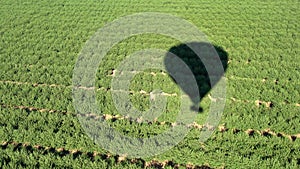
{"x":257,"y":41}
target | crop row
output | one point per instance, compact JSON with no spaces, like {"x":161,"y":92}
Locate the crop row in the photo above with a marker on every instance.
{"x":20,"y":66}
{"x":60,"y":75}
{"x":24,"y":155}
{"x":170,"y":123}
{"x":14,"y":64}
{"x":236,"y":88}
{"x":91,"y":159}
{"x":280,"y":116}
{"x":111,"y":73}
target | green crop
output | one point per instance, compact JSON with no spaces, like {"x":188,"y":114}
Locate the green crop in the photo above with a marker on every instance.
{"x":258,"y":43}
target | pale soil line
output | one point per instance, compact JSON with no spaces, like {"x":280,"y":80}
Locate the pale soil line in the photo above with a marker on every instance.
{"x":247,"y":61}
{"x":62,"y":151}
{"x":104,"y":116}
{"x":257,"y":102}
{"x":221,"y":128}
{"x":275,"y":81}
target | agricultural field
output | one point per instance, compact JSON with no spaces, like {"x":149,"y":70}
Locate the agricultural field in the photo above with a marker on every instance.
{"x":258,"y":44}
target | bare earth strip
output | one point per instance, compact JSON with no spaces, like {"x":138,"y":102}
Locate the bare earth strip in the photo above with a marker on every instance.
{"x":221,"y":128}
{"x":256,"y":102}
{"x":92,"y":154}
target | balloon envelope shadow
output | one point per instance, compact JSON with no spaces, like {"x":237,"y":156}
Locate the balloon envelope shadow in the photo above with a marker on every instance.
{"x":193,"y":56}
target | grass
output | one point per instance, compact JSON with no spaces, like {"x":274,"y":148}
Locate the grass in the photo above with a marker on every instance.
{"x":41,"y":40}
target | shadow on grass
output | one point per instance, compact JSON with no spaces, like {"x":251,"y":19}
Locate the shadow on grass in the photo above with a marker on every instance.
{"x":193,"y":67}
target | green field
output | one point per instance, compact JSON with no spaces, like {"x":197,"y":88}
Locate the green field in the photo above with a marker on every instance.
{"x":257,"y":41}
